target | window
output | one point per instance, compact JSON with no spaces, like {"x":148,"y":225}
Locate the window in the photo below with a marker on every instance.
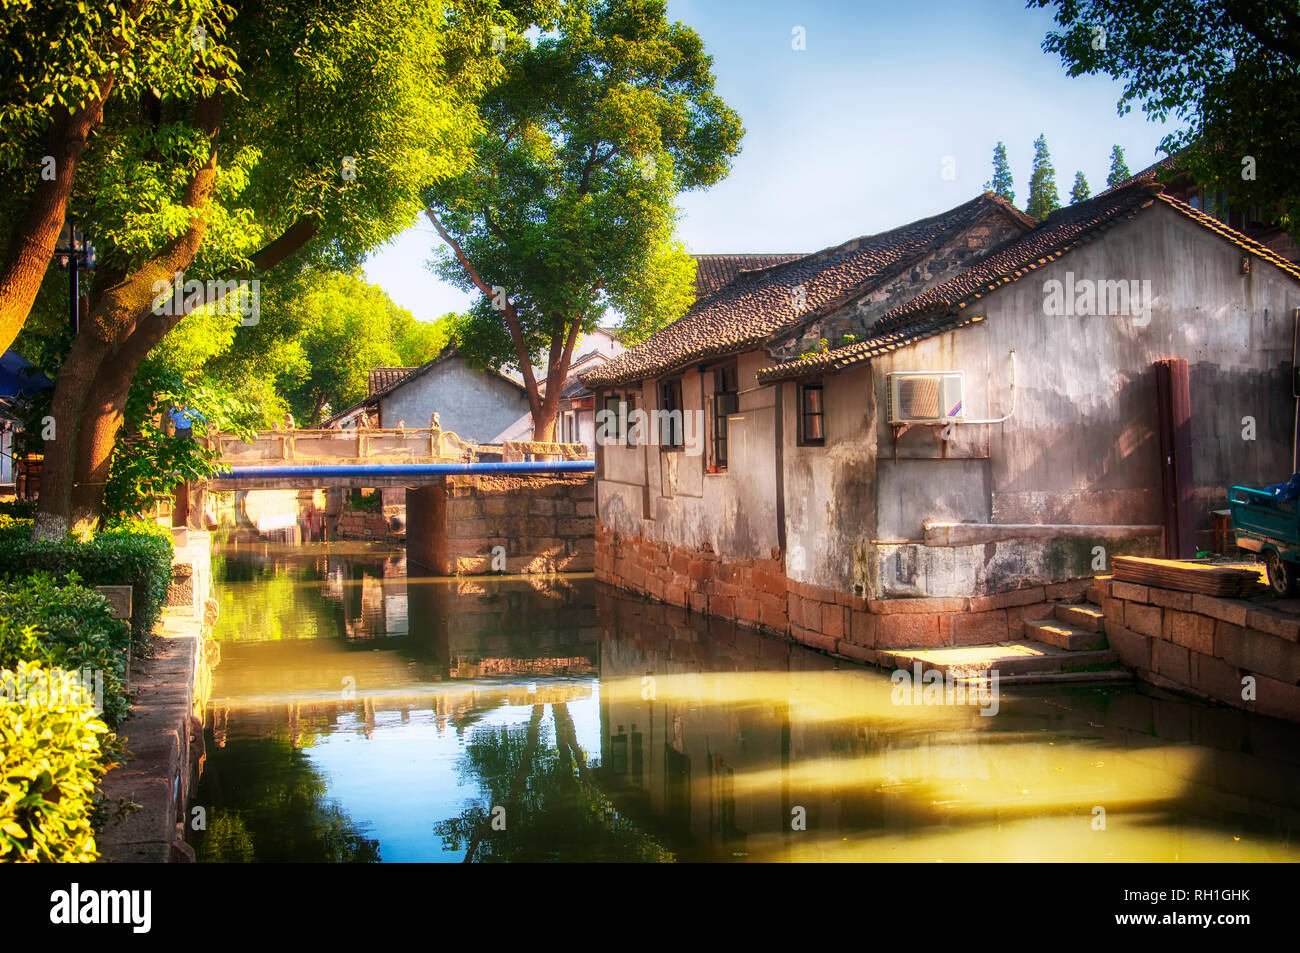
{"x":725,"y":401}
{"x":811,"y":416}
{"x":631,"y":429}
{"x":611,"y":418}
{"x":568,"y":427}
{"x":670,"y":420}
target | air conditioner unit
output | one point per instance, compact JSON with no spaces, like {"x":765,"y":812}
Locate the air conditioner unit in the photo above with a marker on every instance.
{"x":917,"y":397}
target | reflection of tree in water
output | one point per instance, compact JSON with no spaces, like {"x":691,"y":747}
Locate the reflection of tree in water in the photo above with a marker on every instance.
{"x":553,"y":810}
{"x":283,"y":813}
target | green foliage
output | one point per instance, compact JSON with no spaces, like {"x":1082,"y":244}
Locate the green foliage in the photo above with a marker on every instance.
{"x":345,"y":327}
{"x":1118,"y":168}
{"x":1043,"y":198}
{"x":17,"y":509}
{"x":1001,"y":182}
{"x":1080,"y":191}
{"x":569,"y":202}
{"x":69,"y":626}
{"x":1225,"y":75}
{"x":149,"y":462}
{"x":51,"y":758}
{"x":137,"y":554}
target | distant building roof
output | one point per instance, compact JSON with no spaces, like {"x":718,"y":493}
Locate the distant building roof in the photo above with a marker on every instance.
{"x":382,"y":378}
{"x":715,"y":271}
{"x":760,"y":303}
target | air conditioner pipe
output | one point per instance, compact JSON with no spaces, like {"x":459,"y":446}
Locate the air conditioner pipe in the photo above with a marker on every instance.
{"x":999,"y":420}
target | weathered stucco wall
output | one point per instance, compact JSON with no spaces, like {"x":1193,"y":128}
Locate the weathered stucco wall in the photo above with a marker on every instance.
{"x":476,"y":405}
{"x":1082,"y":446}
{"x":670,"y":496}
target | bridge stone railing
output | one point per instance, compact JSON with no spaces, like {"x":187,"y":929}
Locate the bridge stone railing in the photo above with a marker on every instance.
{"x":335,"y":447}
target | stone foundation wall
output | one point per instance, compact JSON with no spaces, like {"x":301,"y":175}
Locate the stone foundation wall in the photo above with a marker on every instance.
{"x":544,"y":524}
{"x":1205,"y":645}
{"x":757,"y":593}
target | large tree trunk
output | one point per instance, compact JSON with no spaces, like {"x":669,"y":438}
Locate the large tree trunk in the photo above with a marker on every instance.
{"x":34,"y":234}
{"x":102,"y":418}
{"x":112,"y":320}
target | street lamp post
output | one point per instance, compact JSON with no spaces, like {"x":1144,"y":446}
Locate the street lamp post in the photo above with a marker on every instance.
{"x":75,"y":253}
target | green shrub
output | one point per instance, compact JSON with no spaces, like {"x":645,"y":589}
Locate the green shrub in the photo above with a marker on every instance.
{"x":51,"y":758}
{"x":64,"y":624}
{"x":17,"y":509}
{"x":136,"y":554}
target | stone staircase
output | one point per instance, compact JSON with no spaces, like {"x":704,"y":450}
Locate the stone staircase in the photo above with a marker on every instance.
{"x":1068,"y":646}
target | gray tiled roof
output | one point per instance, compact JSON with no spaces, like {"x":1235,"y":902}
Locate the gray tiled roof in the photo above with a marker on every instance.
{"x":758,"y":304}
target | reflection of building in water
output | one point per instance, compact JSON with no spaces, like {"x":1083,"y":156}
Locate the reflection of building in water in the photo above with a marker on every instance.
{"x":718,"y":736}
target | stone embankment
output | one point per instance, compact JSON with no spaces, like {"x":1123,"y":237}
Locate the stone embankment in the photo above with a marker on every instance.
{"x":165,"y":731}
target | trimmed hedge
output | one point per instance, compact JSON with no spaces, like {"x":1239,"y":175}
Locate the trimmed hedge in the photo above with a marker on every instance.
{"x":52,"y":756}
{"x":137,"y":554}
{"x":64,"y":624}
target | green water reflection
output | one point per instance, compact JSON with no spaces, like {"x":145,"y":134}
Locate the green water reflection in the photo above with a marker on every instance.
{"x":361,"y":715}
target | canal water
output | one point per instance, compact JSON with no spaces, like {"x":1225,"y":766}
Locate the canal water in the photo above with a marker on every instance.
{"x":363,"y":714}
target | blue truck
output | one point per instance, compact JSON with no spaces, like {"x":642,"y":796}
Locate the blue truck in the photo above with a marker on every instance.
{"x":1267,"y":523}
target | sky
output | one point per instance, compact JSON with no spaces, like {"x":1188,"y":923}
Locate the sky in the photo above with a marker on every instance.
{"x":851,"y":135}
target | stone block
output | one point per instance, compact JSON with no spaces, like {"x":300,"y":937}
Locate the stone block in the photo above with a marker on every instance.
{"x":1274,"y":623}
{"x":908,"y":630}
{"x":1134,"y":649}
{"x":1170,"y":599}
{"x":1227,"y":610}
{"x":974,"y":628}
{"x":1171,"y":661}
{"x":1143,"y":619}
{"x":1130,"y":592}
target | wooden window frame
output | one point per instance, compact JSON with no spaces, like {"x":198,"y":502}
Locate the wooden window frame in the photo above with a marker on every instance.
{"x":726,"y":401}
{"x":804,"y":414}
{"x":670,"y":391}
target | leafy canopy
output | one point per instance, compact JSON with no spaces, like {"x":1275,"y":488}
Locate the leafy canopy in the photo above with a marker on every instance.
{"x":1228,"y":73}
{"x":568,"y":205}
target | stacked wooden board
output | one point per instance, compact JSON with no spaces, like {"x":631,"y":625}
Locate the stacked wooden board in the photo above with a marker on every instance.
{"x":1203,"y":578}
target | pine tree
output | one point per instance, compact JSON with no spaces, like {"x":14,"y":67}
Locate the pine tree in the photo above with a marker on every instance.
{"x":1080,"y":191}
{"x":1118,"y":167}
{"x":1001,"y":183}
{"x":1043,"y":197}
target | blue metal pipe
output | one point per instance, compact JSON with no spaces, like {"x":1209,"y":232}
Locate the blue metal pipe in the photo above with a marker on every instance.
{"x":408,"y":469}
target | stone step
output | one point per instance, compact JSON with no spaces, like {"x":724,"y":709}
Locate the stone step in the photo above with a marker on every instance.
{"x":1081,"y":616}
{"x":1056,"y":678}
{"x":1064,"y":636}
{"x":1009,"y":658}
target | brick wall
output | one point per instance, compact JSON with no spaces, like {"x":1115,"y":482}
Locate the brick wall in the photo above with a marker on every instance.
{"x":544,"y":524}
{"x":757,"y":593}
{"x":1206,"y":645}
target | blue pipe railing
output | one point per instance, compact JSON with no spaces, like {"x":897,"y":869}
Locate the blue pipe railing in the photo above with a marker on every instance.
{"x":331,"y":471}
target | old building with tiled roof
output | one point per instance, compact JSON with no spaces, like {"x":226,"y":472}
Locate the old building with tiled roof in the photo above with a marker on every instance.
{"x":473,"y":403}
{"x":953,"y":428}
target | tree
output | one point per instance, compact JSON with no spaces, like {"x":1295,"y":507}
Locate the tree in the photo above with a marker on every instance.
{"x":569,"y":206}
{"x":1001,"y":182}
{"x":1080,"y":191}
{"x":1043,"y":198}
{"x":348,"y":327}
{"x":63,"y":65}
{"x":1227,"y":72}
{"x":223,"y":186}
{"x":1118,"y":167}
